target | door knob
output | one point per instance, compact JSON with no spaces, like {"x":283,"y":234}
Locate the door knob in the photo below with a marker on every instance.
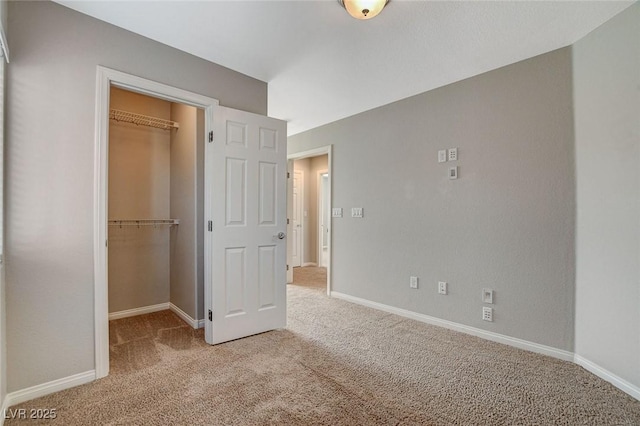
{"x":281,"y":235}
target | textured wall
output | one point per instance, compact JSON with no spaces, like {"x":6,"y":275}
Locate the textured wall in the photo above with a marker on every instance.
{"x":51,"y":86}
{"x":606,"y":67}
{"x":184,"y":193}
{"x":507,"y":223}
{"x":3,"y":320}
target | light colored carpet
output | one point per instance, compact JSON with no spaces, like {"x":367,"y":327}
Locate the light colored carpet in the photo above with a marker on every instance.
{"x":335,"y":364}
{"x":310,"y":276}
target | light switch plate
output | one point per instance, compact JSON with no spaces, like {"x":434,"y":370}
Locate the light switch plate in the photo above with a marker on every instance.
{"x":357,"y":212}
{"x":453,"y":172}
{"x":487,"y":295}
{"x":442,"y":156}
{"x":336,"y":212}
{"x":413,"y":282}
{"x":453,"y":154}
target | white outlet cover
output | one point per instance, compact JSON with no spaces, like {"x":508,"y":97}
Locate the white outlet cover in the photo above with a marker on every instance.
{"x":487,"y":314}
{"x":336,"y":212}
{"x":357,"y":212}
{"x":442,"y":287}
{"x":453,"y":154}
{"x":442,"y":156}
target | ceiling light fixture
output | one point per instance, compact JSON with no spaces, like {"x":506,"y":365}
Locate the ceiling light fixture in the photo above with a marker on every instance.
{"x":363,"y":9}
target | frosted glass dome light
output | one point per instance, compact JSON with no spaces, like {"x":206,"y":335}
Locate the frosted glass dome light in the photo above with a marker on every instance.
{"x":363,"y":9}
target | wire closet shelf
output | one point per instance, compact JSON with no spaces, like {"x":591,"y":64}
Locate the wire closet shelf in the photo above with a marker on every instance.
{"x":144,"y":222}
{"x":142,"y":120}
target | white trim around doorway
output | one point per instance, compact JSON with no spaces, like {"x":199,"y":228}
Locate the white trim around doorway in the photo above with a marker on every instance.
{"x":105,"y":78}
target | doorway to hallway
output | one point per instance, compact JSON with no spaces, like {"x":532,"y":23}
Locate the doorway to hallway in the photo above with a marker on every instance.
{"x":308,"y":210}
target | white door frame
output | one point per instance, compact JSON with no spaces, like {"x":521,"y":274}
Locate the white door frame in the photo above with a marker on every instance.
{"x":105,"y":78}
{"x":327,"y":149}
{"x":319,"y":213}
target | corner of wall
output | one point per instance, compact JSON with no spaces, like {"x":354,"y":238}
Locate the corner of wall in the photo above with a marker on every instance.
{"x":605,"y":78}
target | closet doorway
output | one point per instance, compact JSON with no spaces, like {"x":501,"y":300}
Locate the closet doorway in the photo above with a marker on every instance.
{"x":155,"y":216}
{"x":310,"y":211}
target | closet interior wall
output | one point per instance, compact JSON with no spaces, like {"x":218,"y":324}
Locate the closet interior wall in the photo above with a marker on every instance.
{"x":156,"y":174}
{"x":187,"y":204}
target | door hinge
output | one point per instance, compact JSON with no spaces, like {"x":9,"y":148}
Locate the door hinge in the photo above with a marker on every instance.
{"x":287,"y":267}
{"x":288,"y":175}
{"x":210,"y":315}
{"x":287,"y":221}
{"x":211,"y":136}
{"x":210,"y":226}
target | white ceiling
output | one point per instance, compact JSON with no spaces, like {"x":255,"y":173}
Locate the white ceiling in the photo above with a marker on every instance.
{"x":322,"y":65}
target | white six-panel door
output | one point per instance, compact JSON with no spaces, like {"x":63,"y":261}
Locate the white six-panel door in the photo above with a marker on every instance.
{"x":247,"y":196}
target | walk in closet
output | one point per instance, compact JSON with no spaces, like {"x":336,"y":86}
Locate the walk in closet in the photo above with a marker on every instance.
{"x":155,"y":186}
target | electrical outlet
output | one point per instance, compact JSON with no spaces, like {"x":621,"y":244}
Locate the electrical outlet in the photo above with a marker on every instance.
{"x":336,"y":212}
{"x":442,"y":287}
{"x":357,"y":212}
{"x":487,"y":295}
{"x":487,"y":314}
{"x":413,"y":282}
{"x":453,"y":154}
{"x":442,"y":156}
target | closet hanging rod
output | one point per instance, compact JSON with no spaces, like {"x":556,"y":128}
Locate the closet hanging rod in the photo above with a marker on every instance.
{"x":144,"y":222}
{"x":142,"y":120}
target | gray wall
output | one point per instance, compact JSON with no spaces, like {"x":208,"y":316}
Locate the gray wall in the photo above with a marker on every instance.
{"x":3,"y":330}
{"x":184,"y":193}
{"x":507,"y":223}
{"x":51,"y":89}
{"x":3,"y":340}
{"x":139,"y":160}
{"x":606,"y":67}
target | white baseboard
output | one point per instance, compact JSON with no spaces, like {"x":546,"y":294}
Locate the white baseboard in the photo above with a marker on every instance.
{"x":309,"y":264}
{"x":185,"y":317}
{"x":138,"y":311}
{"x":155,"y":308}
{"x":616,"y":381}
{"x":488,"y":335}
{"x":37,"y":391}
